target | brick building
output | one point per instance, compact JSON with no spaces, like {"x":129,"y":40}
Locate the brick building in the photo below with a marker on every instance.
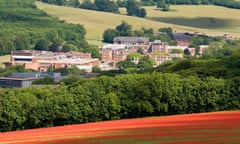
{"x":43,"y":60}
{"x":131,"y":40}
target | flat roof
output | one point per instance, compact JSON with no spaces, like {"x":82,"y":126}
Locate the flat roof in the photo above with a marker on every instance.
{"x":70,"y":61}
{"x":114,"y":46}
{"x":16,"y":78}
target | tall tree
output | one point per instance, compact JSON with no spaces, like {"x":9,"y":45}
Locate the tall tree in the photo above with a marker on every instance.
{"x":124,"y":29}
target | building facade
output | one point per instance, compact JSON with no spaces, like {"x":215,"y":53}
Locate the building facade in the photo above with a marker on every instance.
{"x":43,"y":60}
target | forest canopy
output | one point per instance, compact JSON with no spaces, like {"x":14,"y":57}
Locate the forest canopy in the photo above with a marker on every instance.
{"x":23,"y":26}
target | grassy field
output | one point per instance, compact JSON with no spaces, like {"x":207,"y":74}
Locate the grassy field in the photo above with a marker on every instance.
{"x":212,"y":20}
{"x":3,"y":59}
{"x":205,"y":128}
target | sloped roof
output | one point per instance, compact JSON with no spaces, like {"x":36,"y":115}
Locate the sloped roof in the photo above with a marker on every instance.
{"x":181,"y":36}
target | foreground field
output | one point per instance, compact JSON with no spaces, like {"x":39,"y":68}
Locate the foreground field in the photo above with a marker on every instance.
{"x":211,"y":128}
{"x":212,"y":20}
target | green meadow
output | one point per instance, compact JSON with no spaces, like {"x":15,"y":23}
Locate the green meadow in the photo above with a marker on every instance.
{"x":208,"y":19}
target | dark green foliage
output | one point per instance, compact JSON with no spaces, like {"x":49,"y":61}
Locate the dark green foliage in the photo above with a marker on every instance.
{"x":73,"y":3}
{"x":42,"y":44}
{"x":221,"y":67}
{"x":9,"y":70}
{"x":133,"y":9}
{"x":96,"y":69}
{"x":69,"y":71}
{"x":163,"y":5}
{"x":106,"y":5}
{"x":198,"y":87}
{"x":226,"y":3}
{"x":87,"y":4}
{"x":108,"y":98}
{"x":124,"y":29}
{"x":44,"y":81}
{"x":69,"y":47}
{"x":141,"y":12}
{"x":109,"y":34}
{"x":23,"y":26}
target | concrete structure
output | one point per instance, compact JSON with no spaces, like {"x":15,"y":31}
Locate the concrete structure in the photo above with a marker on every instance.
{"x":10,"y":82}
{"x":183,"y":39}
{"x":158,"y":46}
{"x":202,"y":49}
{"x":43,"y":60}
{"x":191,"y":51}
{"x":159,"y":59}
{"x":131,"y":40}
{"x":37,"y":75}
{"x":25,"y":79}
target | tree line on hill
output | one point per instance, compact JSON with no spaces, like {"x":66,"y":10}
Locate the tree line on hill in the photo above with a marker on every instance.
{"x":24,"y":27}
{"x":125,"y":29}
{"x":166,"y":3}
{"x":133,"y":7}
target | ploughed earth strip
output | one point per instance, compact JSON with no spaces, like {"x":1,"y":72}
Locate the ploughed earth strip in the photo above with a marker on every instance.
{"x":211,"y":128}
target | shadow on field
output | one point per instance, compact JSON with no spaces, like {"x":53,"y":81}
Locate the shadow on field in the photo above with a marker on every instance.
{"x":201,"y":22}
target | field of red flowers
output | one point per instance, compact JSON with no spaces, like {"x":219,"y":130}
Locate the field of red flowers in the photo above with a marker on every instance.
{"x":210,"y":128}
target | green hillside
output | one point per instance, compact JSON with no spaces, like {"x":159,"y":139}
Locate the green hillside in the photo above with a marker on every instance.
{"x":212,"y":20}
{"x":23,"y":26}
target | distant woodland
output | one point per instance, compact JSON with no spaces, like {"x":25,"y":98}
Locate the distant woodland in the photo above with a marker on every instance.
{"x":112,"y":6}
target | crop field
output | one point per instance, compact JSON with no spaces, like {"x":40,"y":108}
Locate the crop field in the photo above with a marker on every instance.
{"x":5,"y":58}
{"x":212,"y":20}
{"x":210,"y":128}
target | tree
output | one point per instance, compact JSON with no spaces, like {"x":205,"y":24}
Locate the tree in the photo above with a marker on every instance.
{"x":6,"y":46}
{"x":106,"y":5}
{"x":69,"y":47}
{"x":146,"y":63}
{"x":87,"y":4}
{"x":110,"y":107}
{"x":141,"y":12}
{"x":124,"y":29}
{"x":42,"y":44}
{"x":165,"y":8}
{"x":74,"y":3}
{"x":132,"y":7}
{"x":196,"y":2}
{"x":60,"y":2}
{"x":109,"y":34}
{"x":22,"y":42}
{"x":46,"y":80}
{"x":161,"y":4}
{"x":168,"y":31}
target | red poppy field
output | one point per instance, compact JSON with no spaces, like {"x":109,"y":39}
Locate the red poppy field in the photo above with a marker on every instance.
{"x":210,"y":128}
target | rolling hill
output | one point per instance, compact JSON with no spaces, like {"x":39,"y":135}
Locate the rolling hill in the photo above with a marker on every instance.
{"x":212,"y":20}
{"x":214,"y":128}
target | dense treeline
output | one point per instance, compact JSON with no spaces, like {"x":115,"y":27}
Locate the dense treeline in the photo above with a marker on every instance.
{"x":74,"y":3}
{"x":132,"y":6}
{"x":23,"y":26}
{"x":125,"y":29}
{"x":226,"y":3}
{"x":108,"y":98}
{"x":221,"y":63}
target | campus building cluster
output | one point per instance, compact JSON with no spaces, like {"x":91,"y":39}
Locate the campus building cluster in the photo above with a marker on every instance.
{"x":123,"y":46}
{"x":44,"y":60}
